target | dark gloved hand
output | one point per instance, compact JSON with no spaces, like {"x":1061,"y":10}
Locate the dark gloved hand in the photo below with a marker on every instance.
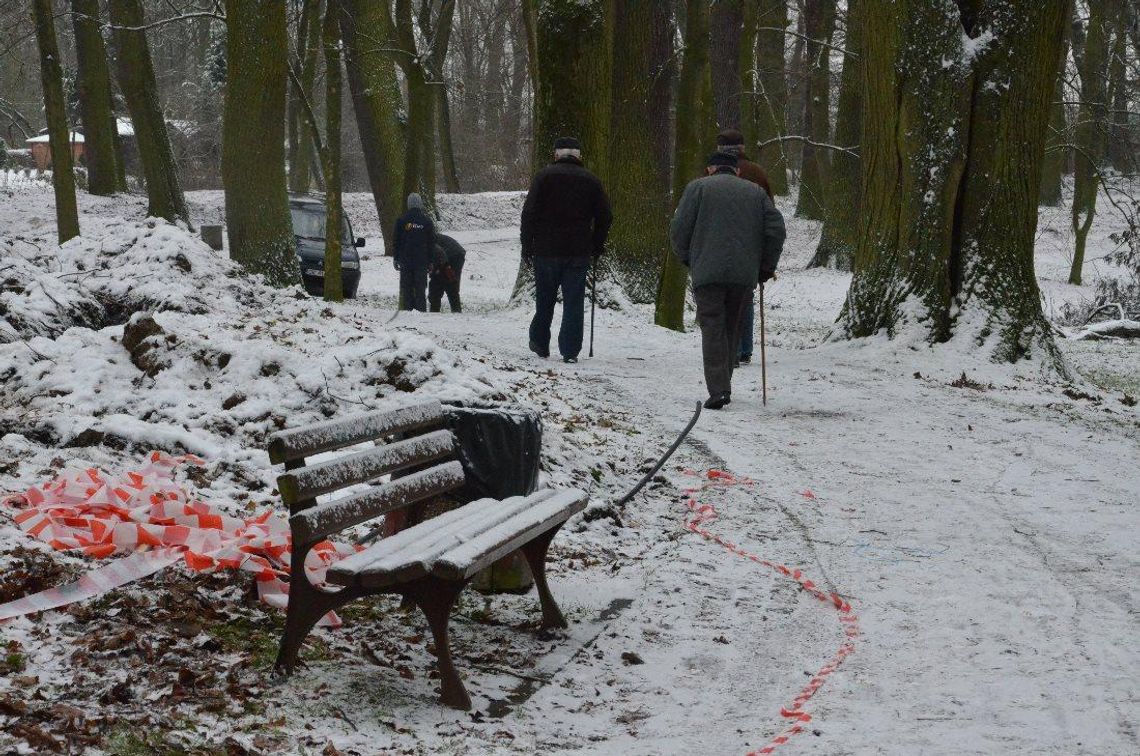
{"x":448,"y":273}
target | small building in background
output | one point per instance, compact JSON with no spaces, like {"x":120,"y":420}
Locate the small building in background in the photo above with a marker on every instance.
{"x":41,"y":149}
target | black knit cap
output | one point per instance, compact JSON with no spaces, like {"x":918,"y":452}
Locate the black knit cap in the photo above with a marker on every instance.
{"x":718,"y":159}
{"x":729,"y":137}
{"x":567,"y":143}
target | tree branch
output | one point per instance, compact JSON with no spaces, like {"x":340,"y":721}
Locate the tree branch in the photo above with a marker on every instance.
{"x":796,"y":138}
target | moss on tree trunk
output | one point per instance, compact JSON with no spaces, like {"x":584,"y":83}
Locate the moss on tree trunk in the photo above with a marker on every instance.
{"x":51,"y":75}
{"x":334,"y":283}
{"x":93,"y":85}
{"x":638,"y":191}
{"x":952,"y":157}
{"x":771,"y":100}
{"x":819,"y":23}
{"x":136,"y":80}
{"x":253,"y":140}
{"x":695,"y":132}
{"x":367,"y":32}
{"x":726,"y":29}
{"x":841,"y":227}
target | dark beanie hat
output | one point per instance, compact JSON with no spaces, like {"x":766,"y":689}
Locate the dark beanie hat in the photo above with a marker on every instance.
{"x":718,"y":159}
{"x":729,"y":137}
{"x":567,"y":143}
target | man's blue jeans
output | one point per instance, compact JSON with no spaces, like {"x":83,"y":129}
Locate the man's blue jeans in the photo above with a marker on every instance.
{"x":747,"y":326}
{"x":550,"y":275}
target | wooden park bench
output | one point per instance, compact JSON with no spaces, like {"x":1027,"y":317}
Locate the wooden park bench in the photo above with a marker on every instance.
{"x":428,"y":563}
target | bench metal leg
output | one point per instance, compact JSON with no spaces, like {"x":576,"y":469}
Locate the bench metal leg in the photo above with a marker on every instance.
{"x":535,"y":553}
{"x":306,"y":606}
{"x":436,"y":598}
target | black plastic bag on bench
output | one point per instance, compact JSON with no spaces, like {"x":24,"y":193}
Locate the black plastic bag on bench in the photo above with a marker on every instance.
{"x":500,"y":451}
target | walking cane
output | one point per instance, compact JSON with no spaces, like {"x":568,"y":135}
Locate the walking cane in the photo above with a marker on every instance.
{"x":763,"y":353}
{"x":593,"y":303}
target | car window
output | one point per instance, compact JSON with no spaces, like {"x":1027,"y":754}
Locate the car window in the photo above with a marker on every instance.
{"x":310,"y":223}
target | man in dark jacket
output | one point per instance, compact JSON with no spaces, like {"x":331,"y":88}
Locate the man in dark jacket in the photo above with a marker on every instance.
{"x":415,"y":252}
{"x":731,"y":142}
{"x":730,"y":236}
{"x":565,"y":221}
{"x":446,"y":273}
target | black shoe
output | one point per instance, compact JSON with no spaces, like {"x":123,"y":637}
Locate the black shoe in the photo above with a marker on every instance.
{"x":718,"y":401}
{"x":570,"y":360}
{"x":745,"y":359}
{"x":543,"y":353}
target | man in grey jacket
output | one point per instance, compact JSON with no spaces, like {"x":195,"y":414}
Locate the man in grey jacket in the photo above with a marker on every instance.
{"x":730,"y":235}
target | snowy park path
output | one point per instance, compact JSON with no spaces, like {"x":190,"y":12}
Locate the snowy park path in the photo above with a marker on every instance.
{"x":987,"y":538}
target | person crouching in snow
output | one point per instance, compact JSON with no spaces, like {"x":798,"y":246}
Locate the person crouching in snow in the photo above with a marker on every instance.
{"x":415,"y":251}
{"x":729,"y":234}
{"x":446,"y":273}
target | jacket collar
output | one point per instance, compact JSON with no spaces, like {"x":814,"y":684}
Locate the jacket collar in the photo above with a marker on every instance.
{"x":569,"y":159}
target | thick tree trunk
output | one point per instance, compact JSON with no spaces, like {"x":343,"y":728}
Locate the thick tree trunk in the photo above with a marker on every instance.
{"x":440,"y":36}
{"x":575,"y":61}
{"x":695,"y":131}
{"x":819,"y":23}
{"x":772,"y":92}
{"x":749,"y":74}
{"x":1092,"y":123}
{"x":841,"y":227}
{"x":376,"y":100}
{"x":300,"y":141}
{"x":253,"y":141}
{"x":137,"y":83}
{"x":419,"y":149}
{"x":446,"y":144}
{"x":93,"y":84}
{"x":726,"y":26}
{"x":949,"y":202}
{"x":55,"y":108}
{"x":638,"y":191}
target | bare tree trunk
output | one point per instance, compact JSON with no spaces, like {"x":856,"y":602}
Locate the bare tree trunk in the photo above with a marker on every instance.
{"x":1121,"y":152}
{"x":62,"y":173}
{"x":367,"y":33}
{"x":253,"y":149}
{"x":726,"y":24}
{"x":772,"y":92}
{"x":334,"y":283}
{"x":136,"y":80}
{"x":1092,"y":123}
{"x":819,"y":25}
{"x":695,"y":129}
{"x":93,"y":83}
{"x":638,"y":191}
{"x":840,"y":233}
{"x":300,"y":142}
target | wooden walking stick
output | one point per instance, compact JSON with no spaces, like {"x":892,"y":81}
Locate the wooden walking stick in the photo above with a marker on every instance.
{"x":593,"y":302}
{"x":763,"y":353}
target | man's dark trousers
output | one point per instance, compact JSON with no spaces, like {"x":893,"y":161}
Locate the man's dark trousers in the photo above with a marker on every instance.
{"x":551,"y":274}
{"x":718,"y":312}
{"x":413,"y":288}
{"x":438,"y":285}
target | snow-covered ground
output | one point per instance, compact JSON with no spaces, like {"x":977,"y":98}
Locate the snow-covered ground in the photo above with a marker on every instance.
{"x":985,"y":533}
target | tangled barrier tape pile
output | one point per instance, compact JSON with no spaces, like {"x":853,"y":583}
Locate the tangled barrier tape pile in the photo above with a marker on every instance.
{"x":703,"y":514}
{"x":149,"y":516}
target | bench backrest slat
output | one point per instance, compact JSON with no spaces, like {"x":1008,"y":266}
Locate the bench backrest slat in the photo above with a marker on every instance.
{"x":325,"y":519}
{"x":304,"y":484}
{"x":290,"y":445}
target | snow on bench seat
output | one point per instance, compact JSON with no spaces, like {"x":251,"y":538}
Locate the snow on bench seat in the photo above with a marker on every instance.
{"x":290,"y":445}
{"x":331,"y":517}
{"x":499,"y":526}
{"x":465,"y":559}
{"x":305,"y":483}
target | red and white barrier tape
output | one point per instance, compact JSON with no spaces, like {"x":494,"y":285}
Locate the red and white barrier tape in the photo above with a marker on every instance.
{"x":706,"y":513}
{"x":149,"y":515}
